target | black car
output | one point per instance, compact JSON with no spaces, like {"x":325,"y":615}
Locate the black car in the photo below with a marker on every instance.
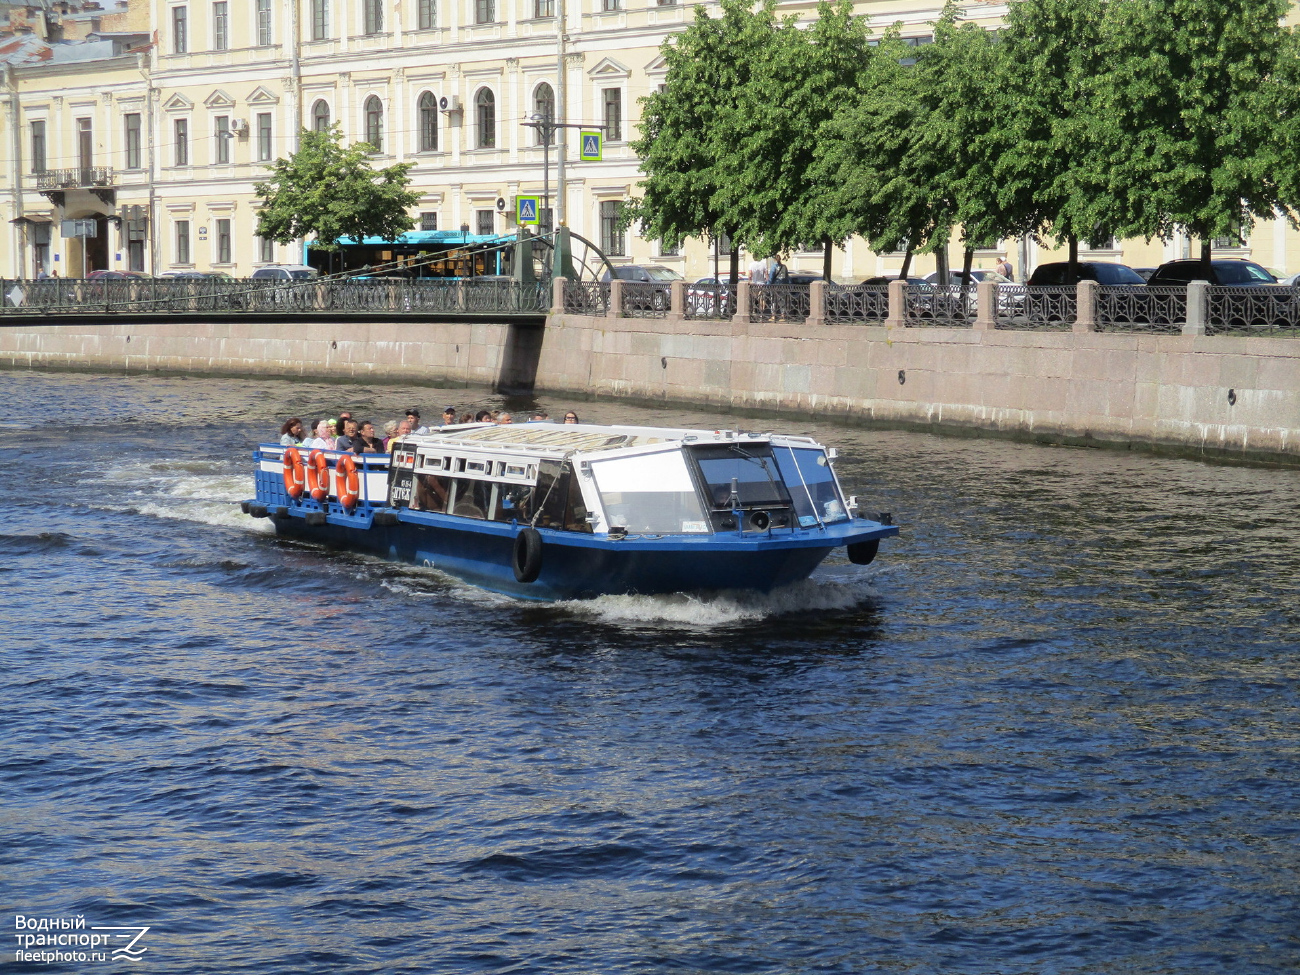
{"x":1103,"y":272}
{"x":1227,"y":271}
{"x":657,"y":299}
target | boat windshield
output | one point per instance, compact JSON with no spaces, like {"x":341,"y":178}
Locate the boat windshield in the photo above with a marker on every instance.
{"x":757,"y":477}
{"x":812,"y":485}
{"x":649,"y":494}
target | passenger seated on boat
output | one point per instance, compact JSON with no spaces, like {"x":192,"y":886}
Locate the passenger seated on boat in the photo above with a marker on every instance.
{"x":449,"y":416}
{"x":413,"y":418}
{"x":291,"y":433}
{"x":483,"y":416}
{"x":344,"y":440}
{"x":365,"y":442}
{"x":324,"y":438}
{"x":570,"y":417}
{"x":505,"y":418}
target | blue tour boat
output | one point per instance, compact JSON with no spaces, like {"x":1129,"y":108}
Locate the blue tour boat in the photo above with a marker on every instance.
{"x":554,"y":511}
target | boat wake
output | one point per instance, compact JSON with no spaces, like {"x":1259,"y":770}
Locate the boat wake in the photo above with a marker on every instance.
{"x":184,"y":491}
{"x":827,"y":590}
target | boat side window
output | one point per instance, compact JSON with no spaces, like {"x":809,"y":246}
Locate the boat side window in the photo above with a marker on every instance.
{"x":550,"y":494}
{"x":471,"y":498}
{"x":650,"y":493}
{"x":575,"y":515}
{"x":813,"y":490}
{"x":512,"y":502}
{"x":430,"y":493}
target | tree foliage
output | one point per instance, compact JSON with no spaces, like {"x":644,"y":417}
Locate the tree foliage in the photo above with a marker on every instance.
{"x":331,"y":192}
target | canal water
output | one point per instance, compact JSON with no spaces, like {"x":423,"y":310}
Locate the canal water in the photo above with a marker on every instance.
{"x":1053,"y":729}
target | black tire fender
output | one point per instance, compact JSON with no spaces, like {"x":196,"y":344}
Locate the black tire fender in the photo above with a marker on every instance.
{"x":864,"y":553}
{"x":527,"y":557}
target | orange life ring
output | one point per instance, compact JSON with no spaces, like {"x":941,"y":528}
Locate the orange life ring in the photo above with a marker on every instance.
{"x":295,"y":473}
{"x":318,"y":475}
{"x":349,"y":485}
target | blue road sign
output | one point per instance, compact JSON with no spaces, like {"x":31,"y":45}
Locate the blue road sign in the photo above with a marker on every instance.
{"x":527,"y":210}
{"x":592,"y":146}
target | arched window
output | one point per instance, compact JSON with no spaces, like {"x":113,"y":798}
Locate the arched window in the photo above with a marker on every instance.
{"x":375,"y":123}
{"x":544,"y":105}
{"x":320,"y":116}
{"x":485,"y":107}
{"x":428,"y":123}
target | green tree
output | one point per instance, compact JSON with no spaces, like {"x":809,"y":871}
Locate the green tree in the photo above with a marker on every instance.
{"x":1185,"y":115}
{"x":684,"y":156}
{"x":330,"y":192}
{"x":805,"y":75}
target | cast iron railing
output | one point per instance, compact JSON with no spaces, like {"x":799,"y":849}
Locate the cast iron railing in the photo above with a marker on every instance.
{"x":779,"y":302}
{"x":644,"y":300}
{"x":863,"y":304}
{"x":710,"y":301}
{"x":953,"y":306}
{"x":1253,"y":311}
{"x":1137,"y":308}
{"x":586,"y":298}
{"x":1050,"y":308}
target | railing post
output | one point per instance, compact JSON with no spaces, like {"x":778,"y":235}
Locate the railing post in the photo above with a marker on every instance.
{"x":557,"y":295}
{"x":742,"y":316}
{"x":1198,"y":307}
{"x":615,"y":298}
{"x":986,"y":300}
{"x":816,"y":303}
{"x":1085,"y":316}
{"x":897,"y":304}
{"x":677,"y":301}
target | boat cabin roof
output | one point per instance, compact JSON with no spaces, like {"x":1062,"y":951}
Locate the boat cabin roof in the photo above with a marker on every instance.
{"x":560,"y":439}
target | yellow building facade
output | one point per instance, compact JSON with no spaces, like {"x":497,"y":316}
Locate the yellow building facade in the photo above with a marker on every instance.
{"x":136,"y":143}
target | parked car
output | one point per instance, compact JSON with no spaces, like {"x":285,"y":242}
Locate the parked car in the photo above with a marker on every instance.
{"x":883,"y":280}
{"x":1144,"y":272}
{"x":285,"y":272}
{"x":708,"y":296}
{"x":1103,"y":272}
{"x":1233,"y":271}
{"x":977,"y":274}
{"x":659,"y":299}
{"x":102,"y":275}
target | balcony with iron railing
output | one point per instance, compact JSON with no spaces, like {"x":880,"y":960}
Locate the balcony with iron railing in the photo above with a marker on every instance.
{"x":82,"y":177}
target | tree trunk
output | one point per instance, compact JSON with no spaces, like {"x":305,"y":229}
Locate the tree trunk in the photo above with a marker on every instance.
{"x":826,"y":259}
{"x":967,"y":259}
{"x":941,"y":265}
{"x":734,"y":274}
{"x":1072,"y":273}
{"x":1207,"y":253}
{"x":907,"y":263}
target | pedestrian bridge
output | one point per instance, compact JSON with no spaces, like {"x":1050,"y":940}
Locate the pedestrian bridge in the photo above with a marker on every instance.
{"x":215,"y":299}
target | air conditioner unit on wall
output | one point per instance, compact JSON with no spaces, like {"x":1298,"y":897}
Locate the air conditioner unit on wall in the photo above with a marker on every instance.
{"x":449,"y":104}
{"x":239,"y":126}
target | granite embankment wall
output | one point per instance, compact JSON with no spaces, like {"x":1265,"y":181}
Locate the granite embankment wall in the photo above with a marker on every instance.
{"x":469,"y":353}
{"x":1226,"y":395}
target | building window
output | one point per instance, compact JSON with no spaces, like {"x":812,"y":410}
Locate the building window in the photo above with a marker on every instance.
{"x":613,"y":241}
{"x":613,"y":115}
{"x":135,"y":255}
{"x":182,"y":242}
{"x":543,"y":8}
{"x":373,"y":11}
{"x":264,"y":23}
{"x":428,"y":221}
{"x":320,"y":19}
{"x":85,"y":146}
{"x":487,"y":220}
{"x":608,"y":5}
{"x":320,"y":116}
{"x":428,"y":123}
{"x":38,"y":147}
{"x":132,"y":140}
{"x":544,"y":106}
{"x":266,"y":250}
{"x":427,"y":15}
{"x":41,"y":246}
{"x":485,"y":107}
{"x":220,"y":27}
{"x":222,"y":138}
{"x":375,"y":123}
{"x":223,"y":242}
{"x":485,"y":11}
{"x":264,"y":137}
{"x":667,"y":3}
{"x":182,"y":141}
{"x":669,"y":250}
{"x":180,"y":30}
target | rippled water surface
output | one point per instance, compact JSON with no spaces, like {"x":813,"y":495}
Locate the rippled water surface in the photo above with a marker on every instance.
{"x":1053,"y":729}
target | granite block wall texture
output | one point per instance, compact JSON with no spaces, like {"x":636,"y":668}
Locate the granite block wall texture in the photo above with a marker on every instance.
{"x":1229,"y":395}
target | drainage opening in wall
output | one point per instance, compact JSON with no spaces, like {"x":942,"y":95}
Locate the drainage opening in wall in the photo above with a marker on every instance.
{"x":1232,"y":397}
{"x":334,"y":345}
{"x":902,"y":376}
{"x":663,"y":361}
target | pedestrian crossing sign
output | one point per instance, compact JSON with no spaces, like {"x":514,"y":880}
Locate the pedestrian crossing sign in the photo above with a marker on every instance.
{"x":592,"y":146}
{"x":527,"y":210}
